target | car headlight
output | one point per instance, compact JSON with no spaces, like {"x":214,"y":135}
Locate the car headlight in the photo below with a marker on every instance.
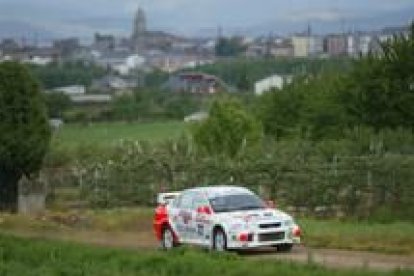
{"x":288,"y":223}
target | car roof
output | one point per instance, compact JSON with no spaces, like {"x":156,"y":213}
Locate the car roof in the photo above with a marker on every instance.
{"x":215,"y":191}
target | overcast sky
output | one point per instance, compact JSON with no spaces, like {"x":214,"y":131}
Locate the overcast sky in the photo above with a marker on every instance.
{"x":192,"y":17}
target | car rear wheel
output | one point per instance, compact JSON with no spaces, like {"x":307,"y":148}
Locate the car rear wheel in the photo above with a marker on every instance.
{"x":167,"y":241}
{"x":285,"y":247}
{"x":219,"y":240}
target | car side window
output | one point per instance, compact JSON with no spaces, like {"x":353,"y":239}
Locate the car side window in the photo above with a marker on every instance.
{"x":186,"y":201}
{"x":177,"y":202}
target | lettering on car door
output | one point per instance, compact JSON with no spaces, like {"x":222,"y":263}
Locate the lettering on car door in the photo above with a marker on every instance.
{"x":185,"y":217}
{"x":202,"y":222}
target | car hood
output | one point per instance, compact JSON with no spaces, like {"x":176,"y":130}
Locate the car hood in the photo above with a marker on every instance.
{"x":255,"y":215}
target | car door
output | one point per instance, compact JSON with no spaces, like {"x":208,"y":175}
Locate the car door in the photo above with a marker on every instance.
{"x":173,"y":211}
{"x":183,"y":217}
{"x":202,"y":221}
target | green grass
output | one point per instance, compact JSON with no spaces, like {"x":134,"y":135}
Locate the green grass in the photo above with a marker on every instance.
{"x":108,"y":134}
{"x":113,"y":220}
{"x":21,"y":257}
{"x":394,"y":237}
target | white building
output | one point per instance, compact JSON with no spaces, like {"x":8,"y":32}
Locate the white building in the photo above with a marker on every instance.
{"x":305,"y":46}
{"x":91,"y":98}
{"x":196,"y":117}
{"x":352,"y":45}
{"x":300,"y":46}
{"x":71,"y":90}
{"x":121,"y":61}
{"x":315,"y":46}
{"x":365,"y":42}
{"x":275,"y":81}
{"x":39,"y":60}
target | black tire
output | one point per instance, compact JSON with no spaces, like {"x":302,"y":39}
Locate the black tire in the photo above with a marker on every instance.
{"x":284,"y":247}
{"x":167,"y":240}
{"x":219,"y":240}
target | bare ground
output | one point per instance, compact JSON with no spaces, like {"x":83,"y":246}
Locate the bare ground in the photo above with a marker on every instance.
{"x":144,"y":240}
{"x":335,"y":258}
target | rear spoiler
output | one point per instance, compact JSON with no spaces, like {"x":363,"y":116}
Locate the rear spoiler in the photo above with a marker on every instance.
{"x":166,"y":198}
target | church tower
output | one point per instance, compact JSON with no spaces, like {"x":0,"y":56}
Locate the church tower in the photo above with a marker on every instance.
{"x":139,"y":31}
{"x":140,"y":24}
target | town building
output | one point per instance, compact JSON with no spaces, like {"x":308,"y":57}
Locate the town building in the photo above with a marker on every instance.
{"x":336,"y":45}
{"x":112,"y":84}
{"x":66,"y":47}
{"x":71,"y":90}
{"x":103,"y":43}
{"x":121,"y":61}
{"x":364,"y":45}
{"x":271,"y":82}
{"x":143,"y":39}
{"x":9,"y":46}
{"x":194,"y":82}
{"x":307,"y":45}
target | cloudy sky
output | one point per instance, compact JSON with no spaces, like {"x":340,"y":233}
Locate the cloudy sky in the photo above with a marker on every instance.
{"x":198,"y":17}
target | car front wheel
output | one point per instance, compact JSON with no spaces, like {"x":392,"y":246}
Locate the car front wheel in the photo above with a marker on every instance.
{"x":219,"y":240}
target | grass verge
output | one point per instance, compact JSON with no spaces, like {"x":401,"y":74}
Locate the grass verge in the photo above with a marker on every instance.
{"x":392,"y":238}
{"x":20,"y":256}
{"x":395,"y":238}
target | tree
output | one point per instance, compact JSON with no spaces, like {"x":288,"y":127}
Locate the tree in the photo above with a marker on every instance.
{"x":57,"y":104}
{"x":229,"y":47}
{"x":24,"y":130}
{"x":228,"y":129}
{"x":280,"y":110}
{"x":380,"y":89}
{"x":61,"y":74}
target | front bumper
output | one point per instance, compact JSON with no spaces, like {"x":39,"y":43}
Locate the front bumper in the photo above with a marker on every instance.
{"x":263,"y":238}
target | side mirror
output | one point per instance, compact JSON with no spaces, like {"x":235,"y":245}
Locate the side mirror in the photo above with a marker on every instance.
{"x":204,"y":210}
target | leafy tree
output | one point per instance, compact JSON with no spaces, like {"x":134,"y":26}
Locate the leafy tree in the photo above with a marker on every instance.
{"x":152,"y":104}
{"x":229,"y":47}
{"x":57,"y":104}
{"x":155,"y":78}
{"x":61,"y":74}
{"x":244,"y":72}
{"x":24,"y":130}
{"x":280,"y":110}
{"x":380,"y":89}
{"x":228,"y":129}
{"x":323,"y":115}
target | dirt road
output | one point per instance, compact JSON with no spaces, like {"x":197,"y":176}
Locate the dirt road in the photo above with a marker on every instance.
{"x":144,"y":240}
{"x":335,"y":258}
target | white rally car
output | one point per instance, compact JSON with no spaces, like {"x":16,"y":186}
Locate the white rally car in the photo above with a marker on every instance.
{"x":221,"y":218}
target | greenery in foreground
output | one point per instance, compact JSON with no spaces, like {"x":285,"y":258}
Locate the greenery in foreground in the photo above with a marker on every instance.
{"x":37,"y":257}
{"x":24,"y":130}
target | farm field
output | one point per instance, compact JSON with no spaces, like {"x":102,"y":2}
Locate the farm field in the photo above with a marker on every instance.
{"x":107,"y":134}
{"x":22,"y":256}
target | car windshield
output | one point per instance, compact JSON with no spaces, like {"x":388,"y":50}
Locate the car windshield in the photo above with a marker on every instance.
{"x":236,"y":202}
